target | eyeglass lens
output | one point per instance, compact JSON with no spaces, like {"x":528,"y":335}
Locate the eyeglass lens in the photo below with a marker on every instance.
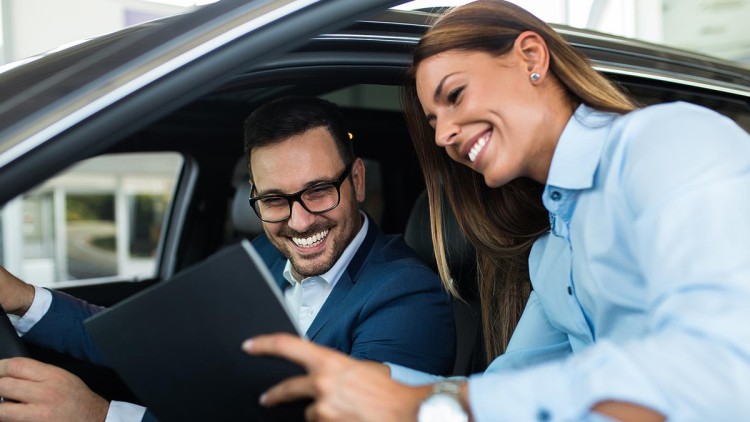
{"x":317,"y":199}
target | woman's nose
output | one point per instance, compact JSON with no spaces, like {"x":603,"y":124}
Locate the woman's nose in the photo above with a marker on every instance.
{"x":445,"y":132}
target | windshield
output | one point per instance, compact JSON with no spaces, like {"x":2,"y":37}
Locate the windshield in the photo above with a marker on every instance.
{"x":711,"y":27}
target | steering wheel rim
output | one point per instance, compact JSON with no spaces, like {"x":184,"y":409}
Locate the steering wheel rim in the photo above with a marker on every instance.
{"x":12,"y":345}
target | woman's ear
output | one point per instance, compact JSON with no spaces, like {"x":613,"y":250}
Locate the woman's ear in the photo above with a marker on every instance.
{"x":532,"y":49}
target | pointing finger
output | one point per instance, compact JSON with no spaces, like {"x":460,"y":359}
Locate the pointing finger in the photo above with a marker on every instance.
{"x":295,"y":349}
{"x":292,"y":389}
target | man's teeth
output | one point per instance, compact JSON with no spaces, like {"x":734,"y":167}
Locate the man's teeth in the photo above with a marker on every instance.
{"x":310,"y":241}
{"x":478,"y":146}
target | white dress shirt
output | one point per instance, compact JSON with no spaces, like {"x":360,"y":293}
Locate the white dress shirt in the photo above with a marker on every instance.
{"x":305,"y":298}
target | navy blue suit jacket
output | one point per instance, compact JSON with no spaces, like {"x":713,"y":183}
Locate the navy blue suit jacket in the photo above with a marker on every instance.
{"x":387,"y":306}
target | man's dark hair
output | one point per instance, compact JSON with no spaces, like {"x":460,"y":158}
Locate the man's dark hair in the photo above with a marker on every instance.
{"x":285,"y":117}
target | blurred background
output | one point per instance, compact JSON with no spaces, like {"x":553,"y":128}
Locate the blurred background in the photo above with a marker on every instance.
{"x":713,"y":27}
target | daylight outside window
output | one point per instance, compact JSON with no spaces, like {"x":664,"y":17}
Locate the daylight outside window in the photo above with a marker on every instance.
{"x":99,"y":219}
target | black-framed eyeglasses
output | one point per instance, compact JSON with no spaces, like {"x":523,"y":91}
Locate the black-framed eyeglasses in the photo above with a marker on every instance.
{"x":319,"y":198}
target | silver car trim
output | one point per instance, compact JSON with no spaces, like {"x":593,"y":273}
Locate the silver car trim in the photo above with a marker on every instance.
{"x":693,"y":81}
{"x":183,"y":195}
{"x":361,"y":37}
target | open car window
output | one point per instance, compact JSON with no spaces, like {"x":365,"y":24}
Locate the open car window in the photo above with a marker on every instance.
{"x":100,"y":219}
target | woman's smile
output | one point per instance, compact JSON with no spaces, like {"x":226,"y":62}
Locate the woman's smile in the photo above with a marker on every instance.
{"x":478,"y":145}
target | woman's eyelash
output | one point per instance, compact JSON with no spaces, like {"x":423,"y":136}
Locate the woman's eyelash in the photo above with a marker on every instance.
{"x":453,"y":95}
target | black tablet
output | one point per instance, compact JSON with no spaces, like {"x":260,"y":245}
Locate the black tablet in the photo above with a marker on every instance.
{"x":177,"y":344}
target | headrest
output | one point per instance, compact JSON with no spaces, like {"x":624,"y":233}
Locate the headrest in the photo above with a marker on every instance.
{"x":244,"y":219}
{"x":461,"y":255}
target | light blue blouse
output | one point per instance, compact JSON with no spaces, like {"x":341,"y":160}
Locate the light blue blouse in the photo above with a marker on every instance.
{"x":642,"y":288}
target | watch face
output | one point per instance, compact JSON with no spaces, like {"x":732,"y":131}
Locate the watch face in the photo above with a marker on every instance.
{"x":441,"y":408}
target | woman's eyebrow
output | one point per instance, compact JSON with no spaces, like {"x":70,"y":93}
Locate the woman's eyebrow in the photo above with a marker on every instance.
{"x":439,"y":87}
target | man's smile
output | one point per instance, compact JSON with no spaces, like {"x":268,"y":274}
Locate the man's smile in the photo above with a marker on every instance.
{"x":311,"y":241}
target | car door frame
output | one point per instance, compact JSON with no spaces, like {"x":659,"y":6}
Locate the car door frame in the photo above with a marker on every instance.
{"x":83,"y":109}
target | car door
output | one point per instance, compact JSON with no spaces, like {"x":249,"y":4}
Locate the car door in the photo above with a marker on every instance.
{"x":61,"y":109}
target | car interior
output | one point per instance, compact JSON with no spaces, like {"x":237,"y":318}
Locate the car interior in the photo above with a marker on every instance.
{"x":209,"y":207}
{"x":211,"y":196}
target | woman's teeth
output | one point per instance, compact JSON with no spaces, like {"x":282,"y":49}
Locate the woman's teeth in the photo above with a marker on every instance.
{"x":310,"y":241}
{"x":478,"y":146}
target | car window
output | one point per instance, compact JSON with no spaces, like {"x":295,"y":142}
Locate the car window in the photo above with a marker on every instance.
{"x":100,"y":219}
{"x":735,"y":108}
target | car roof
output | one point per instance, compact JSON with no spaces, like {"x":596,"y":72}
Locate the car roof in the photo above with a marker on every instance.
{"x":609,"y":52}
{"x":59,"y":84}
{"x":101,"y":90}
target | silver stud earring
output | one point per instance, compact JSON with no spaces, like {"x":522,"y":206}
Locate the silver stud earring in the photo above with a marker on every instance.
{"x":535,"y":77}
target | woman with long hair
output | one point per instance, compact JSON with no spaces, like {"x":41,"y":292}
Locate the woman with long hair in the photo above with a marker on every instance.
{"x":610,"y":241}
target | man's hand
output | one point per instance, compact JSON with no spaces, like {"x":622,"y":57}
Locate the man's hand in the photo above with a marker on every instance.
{"x":15,"y":295}
{"x":343,"y":389}
{"x":46,"y":393}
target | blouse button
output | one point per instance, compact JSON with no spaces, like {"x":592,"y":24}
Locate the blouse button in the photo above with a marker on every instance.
{"x":543,"y":415}
{"x":555,"y":195}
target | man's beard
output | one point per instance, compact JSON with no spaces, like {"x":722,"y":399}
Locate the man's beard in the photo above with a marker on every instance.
{"x":335,"y":249}
{"x":309,"y":269}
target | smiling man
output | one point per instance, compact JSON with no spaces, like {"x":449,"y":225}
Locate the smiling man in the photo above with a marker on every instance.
{"x":350,"y":286}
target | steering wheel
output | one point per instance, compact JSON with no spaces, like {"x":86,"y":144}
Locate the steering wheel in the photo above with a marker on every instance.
{"x":10,"y":343}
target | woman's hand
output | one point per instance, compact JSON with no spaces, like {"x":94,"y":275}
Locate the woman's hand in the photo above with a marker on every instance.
{"x":342,"y":388}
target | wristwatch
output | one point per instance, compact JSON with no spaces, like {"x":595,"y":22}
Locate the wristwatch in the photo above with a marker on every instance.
{"x":444,"y":403}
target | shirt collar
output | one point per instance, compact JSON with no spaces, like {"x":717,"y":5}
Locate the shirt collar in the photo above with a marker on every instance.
{"x":579,"y":149}
{"x":331,"y":276}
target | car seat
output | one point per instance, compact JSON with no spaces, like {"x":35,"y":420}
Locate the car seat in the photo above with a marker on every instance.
{"x":245,"y":223}
{"x":470,"y":354}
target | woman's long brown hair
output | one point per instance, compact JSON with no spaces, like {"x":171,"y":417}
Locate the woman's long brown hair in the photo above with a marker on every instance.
{"x":502,"y":223}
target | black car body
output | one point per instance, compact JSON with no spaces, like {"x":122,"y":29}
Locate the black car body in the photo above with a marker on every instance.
{"x":184,"y":84}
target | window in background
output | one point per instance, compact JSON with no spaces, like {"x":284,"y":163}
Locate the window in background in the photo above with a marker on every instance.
{"x":91,"y":235}
{"x":711,"y":27}
{"x":3,"y":55}
{"x":101,"y":219}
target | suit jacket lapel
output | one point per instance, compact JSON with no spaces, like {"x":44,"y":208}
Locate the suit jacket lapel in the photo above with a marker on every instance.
{"x":277,"y":270}
{"x":336,"y":302}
